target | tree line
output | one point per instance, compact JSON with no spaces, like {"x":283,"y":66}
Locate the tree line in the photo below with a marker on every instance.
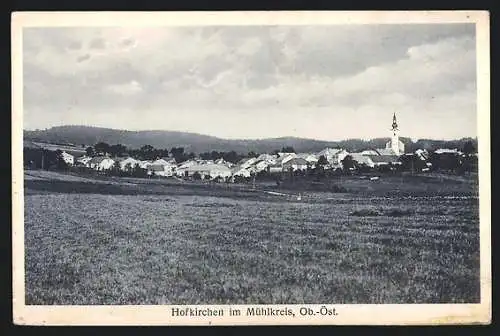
{"x":148,"y":152}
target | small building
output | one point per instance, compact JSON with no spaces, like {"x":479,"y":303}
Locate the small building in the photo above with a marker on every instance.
{"x":101,"y":163}
{"x":361,"y":159}
{"x":383,"y":160}
{"x":247,"y":162}
{"x":83,"y":160}
{"x":334,"y":156}
{"x":68,"y":158}
{"x":295,"y":164}
{"x":310,"y":158}
{"x":285,"y":157}
{"x":145,"y":164}
{"x":448,"y":151}
{"x":240,"y":171}
{"x":168,"y":167}
{"x":210,"y":170}
{"x":274,"y":168}
{"x":159,"y":170}
{"x":370,"y":152}
{"x":260,"y":165}
{"x":127,"y":163}
{"x":267,"y":157}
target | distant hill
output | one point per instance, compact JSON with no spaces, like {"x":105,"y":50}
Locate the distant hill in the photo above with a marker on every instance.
{"x":198,"y":143}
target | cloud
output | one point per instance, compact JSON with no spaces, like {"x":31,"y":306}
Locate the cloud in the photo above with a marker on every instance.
{"x":291,"y":71}
{"x":129,"y":88}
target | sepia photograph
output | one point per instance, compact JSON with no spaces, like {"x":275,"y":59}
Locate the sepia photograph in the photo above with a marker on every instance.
{"x":290,"y":167}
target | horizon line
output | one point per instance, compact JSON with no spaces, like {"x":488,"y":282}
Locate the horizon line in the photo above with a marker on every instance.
{"x":250,"y":139}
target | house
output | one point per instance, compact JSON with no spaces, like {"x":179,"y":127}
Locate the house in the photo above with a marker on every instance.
{"x":415,"y":162}
{"x":83,"y":160}
{"x":383,"y":160}
{"x":240,"y":171}
{"x":168,"y":167}
{"x":68,"y":158}
{"x":145,"y":164}
{"x":101,"y":163}
{"x":310,"y":158}
{"x":159,"y":170}
{"x":363,"y":159}
{"x":295,"y":164}
{"x":448,"y":151}
{"x":267,"y":157}
{"x":285,"y":157}
{"x":422,"y":153}
{"x":127,"y":163}
{"x":186,"y":164}
{"x":169,"y":159}
{"x":162,"y":162}
{"x":370,"y":152}
{"x":334,"y":156}
{"x":220,"y":161}
{"x":275,"y":168}
{"x":261,"y":165}
{"x":247,"y":162}
{"x":210,"y":170}
{"x":282,"y":159}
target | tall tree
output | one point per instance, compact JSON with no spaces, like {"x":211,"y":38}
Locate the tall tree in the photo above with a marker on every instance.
{"x":102,"y":148}
{"x":322,"y":161}
{"x":348,"y":163}
{"x":469,"y":148}
{"x":90,"y":151}
{"x":288,"y":149}
{"x":117,"y":150}
{"x":178,"y":153}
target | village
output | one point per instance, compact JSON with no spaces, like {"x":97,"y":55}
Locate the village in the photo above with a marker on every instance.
{"x":337,"y":160}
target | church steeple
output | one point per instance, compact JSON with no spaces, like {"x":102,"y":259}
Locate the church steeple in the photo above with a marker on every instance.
{"x":394,"y":123}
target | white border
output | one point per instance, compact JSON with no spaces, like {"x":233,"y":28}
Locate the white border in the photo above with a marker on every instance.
{"x":386,"y":314}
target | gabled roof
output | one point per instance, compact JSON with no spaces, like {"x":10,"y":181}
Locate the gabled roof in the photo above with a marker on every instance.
{"x":330,"y":151}
{"x":296,"y":161}
{"x":99,"y":159}
{"x":447,"y":150}
{"x":286,"y":157}
{"x":208,"y":167}
{"x":384,"y":158}
{"x":370,"y":152}
{"x":266,"y":157}
{"x":161,"y":162}
{"x":306,"y":156}
{"x":358,"y":157}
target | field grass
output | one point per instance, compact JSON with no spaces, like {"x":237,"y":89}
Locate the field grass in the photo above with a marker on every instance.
{"x":166,"y":245}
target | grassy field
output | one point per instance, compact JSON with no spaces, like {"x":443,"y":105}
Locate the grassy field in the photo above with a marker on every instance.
{"x":166,"y":242}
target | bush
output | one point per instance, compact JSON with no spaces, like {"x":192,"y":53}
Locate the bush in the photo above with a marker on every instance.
{"x":365,"y":213}
{"x":398,"y":212}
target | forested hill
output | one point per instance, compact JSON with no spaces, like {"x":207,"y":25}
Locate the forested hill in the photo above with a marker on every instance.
{"x":198,"y":143}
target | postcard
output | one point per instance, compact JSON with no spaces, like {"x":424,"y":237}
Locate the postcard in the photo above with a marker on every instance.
{"x":251,"y":168}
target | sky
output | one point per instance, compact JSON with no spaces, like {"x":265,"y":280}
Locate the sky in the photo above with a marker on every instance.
{"x":327,"y":82}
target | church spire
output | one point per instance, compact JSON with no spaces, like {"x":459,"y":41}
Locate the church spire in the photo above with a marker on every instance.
{"x":394,"y":123}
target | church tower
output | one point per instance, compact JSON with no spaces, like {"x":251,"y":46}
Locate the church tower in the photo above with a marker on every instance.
{"x":395,"y":145}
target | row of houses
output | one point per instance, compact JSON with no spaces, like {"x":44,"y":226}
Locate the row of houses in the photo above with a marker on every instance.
{"x":281,"y":162}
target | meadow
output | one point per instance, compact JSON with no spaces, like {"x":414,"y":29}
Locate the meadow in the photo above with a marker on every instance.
{"x":157,"y":242}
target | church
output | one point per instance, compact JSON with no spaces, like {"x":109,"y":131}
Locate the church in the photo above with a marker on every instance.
{"x":394,"y":146}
